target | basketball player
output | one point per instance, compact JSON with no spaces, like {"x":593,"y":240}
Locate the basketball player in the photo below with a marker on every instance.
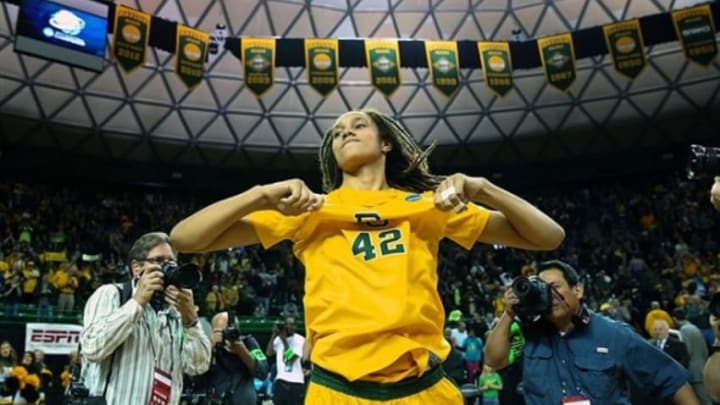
{"x":373,"y":315}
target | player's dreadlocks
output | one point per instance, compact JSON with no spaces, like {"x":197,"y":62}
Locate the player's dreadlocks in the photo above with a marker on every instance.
{"x":406,"y":163}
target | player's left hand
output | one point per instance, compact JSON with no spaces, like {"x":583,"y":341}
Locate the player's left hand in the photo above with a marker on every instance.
{"x":457,"y":190}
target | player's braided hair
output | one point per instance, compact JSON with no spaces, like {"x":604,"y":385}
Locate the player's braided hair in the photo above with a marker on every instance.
{"x":406,"y":164}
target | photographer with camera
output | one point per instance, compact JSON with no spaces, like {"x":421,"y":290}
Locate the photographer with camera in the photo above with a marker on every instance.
{"x":288,"y":348}
{"x":711,"y":372}
{"x":140,"y":337}
{"x":237,"y":360}
{"x":575,"y":356}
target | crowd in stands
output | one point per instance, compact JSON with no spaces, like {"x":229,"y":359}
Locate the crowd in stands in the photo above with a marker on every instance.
{"x":634,"y":243}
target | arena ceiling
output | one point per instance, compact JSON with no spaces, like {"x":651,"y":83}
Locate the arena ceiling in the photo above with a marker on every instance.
{"x":148,"y":114}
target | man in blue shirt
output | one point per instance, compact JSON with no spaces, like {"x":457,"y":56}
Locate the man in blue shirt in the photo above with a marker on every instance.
{"x":575,"y":356}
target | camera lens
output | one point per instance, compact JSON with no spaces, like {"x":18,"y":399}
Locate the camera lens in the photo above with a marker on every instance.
{"x":521,"y":286}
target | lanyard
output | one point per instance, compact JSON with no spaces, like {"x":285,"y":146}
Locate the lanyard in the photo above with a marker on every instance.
{"x":168,"y":321}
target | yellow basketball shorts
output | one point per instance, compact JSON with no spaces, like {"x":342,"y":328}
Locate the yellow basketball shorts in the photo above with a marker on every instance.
{"x":433,"y":387}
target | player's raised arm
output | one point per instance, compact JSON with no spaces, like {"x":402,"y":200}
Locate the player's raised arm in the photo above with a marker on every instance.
{"x":222,"y":225}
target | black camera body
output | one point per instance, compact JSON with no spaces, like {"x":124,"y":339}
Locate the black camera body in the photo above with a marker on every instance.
{"x":535,"y":297}
{"x":186,"y":276}
{"x":231,"y":334}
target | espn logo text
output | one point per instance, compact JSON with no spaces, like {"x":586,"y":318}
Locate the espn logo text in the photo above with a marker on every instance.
{"x":49,"y":336}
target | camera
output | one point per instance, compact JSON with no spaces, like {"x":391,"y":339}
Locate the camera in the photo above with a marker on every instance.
{"x":231,"y":334}
{"x":185,"y":276}
{"x":281,"y":326}
{"x":535,"y":297}
{"x":703,"y":160}
{"x":714,"y":307}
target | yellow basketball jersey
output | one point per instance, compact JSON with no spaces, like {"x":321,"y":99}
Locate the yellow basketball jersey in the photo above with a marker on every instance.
{"x":372,"y":310}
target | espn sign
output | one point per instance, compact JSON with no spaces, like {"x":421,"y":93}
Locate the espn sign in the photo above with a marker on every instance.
{"x":52,"y":338}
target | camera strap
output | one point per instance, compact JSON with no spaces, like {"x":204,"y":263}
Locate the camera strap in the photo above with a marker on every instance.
{"x":125,"y":294}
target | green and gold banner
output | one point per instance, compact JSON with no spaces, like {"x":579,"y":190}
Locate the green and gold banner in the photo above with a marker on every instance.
{"x":258,"y":55}
{"x":625,"y":42}
{"x":558,"y":58}
{"x":321,"y":61}
{"x":442,"y":60}
{"x":132,"y":34}
{"x":190,"y":51}
{"x":496,"y":65}
{"x":696,"y":31}
{"x":383,"y":59}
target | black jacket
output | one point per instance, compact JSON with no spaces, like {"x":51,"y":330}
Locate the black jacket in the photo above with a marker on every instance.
{"x":230,"y":381}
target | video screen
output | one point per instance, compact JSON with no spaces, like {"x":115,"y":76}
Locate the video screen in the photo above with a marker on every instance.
{"x":68,"y":31}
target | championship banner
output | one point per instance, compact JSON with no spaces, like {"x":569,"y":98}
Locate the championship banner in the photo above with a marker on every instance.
{"x":558,"y":58}
{"x":132,"y":33}
{"x":696,"y":30}
{"x":52,"y":338}
{"x":258,"y":55}
{"x":383,"y":59}
{"x":321,"y":61}
{"x":625,"y":42}
{"x":442,"y":60}
{"x":496,"y":65}
{"x":190,"y":51}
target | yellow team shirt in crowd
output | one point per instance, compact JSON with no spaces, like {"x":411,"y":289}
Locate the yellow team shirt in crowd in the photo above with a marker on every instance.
{"x":372,"y":309}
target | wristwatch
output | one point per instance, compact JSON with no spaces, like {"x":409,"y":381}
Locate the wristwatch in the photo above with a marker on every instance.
{"x":192,"y":323}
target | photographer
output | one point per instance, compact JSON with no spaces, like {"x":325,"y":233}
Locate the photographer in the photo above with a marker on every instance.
{"x":236,"y":361}
{"x":139,"y":338}
{"x":287,"y":347}
{"x":711,"y":372}
{"x":573,"y":355}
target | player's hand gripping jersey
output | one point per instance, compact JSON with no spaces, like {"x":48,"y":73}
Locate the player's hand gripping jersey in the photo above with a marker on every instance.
{"x":372,"y":310}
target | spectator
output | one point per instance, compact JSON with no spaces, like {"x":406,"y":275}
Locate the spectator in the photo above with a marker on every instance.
{"x":473,"y":347}
{"x":711,"y":371}
{"x":697,"y":351}
{"x":45,"y":374}
{"x":669,"y":344}
{"x":69,"y":370}
{"x":287,"y":347}
{"x":490,"y":384}
{"x":454,"y":364}
{"x":655,"y":314}
{"x":13,"y":295}
{"x":65,"y":280}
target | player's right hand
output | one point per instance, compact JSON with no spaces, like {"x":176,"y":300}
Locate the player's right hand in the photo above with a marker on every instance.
{"x":510,"y":300}
{"x":292,"y":197}
{"x":149,"y":282}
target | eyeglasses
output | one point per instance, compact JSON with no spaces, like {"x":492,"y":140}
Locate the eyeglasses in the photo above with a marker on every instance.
{"x":158,"y":260}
